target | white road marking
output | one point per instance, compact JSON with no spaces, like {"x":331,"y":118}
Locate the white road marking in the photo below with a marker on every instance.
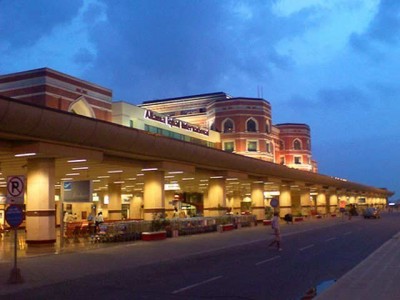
{"x":306,"y":247}
{"x":331,"y":239}
{"x":267,"y":260}
{"x":196,"y":284}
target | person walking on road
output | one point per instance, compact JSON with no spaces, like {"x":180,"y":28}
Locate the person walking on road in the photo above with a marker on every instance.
{"x":277,"y":232}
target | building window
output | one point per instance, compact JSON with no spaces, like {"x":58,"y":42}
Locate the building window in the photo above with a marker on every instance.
{"x":268,"y":147}
{"x":252,"y":146}
{"x":212,"y":126}
{"x":229,"y":146}
{"x":268,"y":127}
{"x":297,"y":145}
{"x":297,"y":160}
{"x":282,"y":160}
{"x":228,"y":126}
{"x":281,"y":145}
{"x":251,"y":126}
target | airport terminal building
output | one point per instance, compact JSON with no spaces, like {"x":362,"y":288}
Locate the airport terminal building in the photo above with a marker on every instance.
{"x":201,"y":154}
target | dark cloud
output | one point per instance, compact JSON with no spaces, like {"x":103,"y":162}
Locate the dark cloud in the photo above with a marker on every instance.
{"x":331,"y":99}
{"x":156,"y":49}
{"x":24,"y":24}
{"x":153,"y":45}
{"x":383,"y":29}
{"x":342,"y":98}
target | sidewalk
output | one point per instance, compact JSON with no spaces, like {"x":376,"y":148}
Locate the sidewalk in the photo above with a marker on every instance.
{"x":51,"y":265}
{"x":377,"y":277}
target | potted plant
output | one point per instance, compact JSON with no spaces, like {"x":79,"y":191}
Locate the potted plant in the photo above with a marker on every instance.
{"x":298,"y":218}
{"x":225,"y":224}
{"x":157,"y":229}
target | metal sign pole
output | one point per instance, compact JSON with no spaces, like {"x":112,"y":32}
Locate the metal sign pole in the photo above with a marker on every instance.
{"x":15,"y":275}
{"x":62,"y":216}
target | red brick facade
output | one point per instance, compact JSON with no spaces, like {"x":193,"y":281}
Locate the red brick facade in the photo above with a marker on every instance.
{"x":245,"y":125}
{"x":46,"y":87}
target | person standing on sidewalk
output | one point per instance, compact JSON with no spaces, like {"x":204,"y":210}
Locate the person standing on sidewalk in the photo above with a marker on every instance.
{"x":277,"y":231}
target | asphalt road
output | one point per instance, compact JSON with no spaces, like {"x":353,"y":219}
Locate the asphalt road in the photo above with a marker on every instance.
{"x":249,"y":271}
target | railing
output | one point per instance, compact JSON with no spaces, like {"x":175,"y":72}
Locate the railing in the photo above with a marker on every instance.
{"x":129,"y":230}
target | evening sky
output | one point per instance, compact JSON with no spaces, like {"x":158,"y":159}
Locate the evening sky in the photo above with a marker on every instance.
{"x":332,"y":64}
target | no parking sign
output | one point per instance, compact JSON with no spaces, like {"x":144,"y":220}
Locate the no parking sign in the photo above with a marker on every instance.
{"x":15,"y":189}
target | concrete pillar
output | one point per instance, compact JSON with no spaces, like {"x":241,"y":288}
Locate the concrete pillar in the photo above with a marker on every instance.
{"x":321,"y":202}
{"x":115,"y":202}
{"x":295,"y":195}
{"x":257,"y":199}
{"x":136,"y":204}
{"x":333,"y":202}
{"x":40,"y":203}
{"x":153,"y":195}
{"x":285,"y":201}
{"x":305,"y":202}
{"x":216,"y":200}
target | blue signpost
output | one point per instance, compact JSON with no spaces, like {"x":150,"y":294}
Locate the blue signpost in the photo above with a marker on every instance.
{"x":14,"y":217}
{"x":274,"y":202}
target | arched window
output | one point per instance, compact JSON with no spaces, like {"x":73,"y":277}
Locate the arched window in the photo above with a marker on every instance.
{"x":251,"y":125}
{"x":296,"y":145}
{"x":212,"y":126}
{"x":268,"y":147}
{"x":81,"y":107}
{"x":267,"y":127}
{"x":228,"y":126}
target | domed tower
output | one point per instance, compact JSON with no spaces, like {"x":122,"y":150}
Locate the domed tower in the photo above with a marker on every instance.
{"x":295,"y":146}
{"x":245,"y":126}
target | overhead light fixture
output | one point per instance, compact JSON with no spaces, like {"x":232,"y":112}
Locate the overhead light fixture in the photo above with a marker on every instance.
{"x":103,"y":176}
{"x":149,"y":169}
{"x":80,"y":168}
{"x":188,"y":178}
{"x":76,"y":160}
{"x":73,"y":174}
{"x":216,"y":177}
{"x":25,"y":154}
{"x":66,"y":179}
{"x":175,"y":172}
{"x":114,"y":171}
{"x":140,"y":174}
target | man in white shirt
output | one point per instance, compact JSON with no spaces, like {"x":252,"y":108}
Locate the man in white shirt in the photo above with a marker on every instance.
{"x":277,"y":231}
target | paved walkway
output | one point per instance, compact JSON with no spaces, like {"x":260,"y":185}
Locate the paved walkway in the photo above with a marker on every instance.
{"x":376,"y":277}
